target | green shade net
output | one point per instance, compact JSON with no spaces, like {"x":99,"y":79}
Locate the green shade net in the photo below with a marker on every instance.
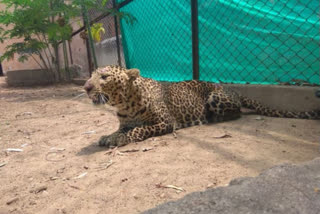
{"x":240,"y":41}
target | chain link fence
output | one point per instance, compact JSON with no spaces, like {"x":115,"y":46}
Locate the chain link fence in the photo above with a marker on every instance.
{"x":259,"y":41}
{"x":237,"y":41}
{"x":159,"y":42}
{"x":107,"y":51}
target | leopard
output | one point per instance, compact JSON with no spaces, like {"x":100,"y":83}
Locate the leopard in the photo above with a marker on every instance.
{"x":148,"y":108}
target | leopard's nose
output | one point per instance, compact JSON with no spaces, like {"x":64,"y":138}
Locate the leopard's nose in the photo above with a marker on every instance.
{"x":88,"y":86}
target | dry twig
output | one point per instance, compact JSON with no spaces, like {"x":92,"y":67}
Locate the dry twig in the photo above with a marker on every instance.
{"x":81,"y":175}
{"x":130,"y":150}
{"x":170,"y":187}
{"x":12,"y":200}
{"x":146,"y":149}
{"x":39,"y":189}
{"x":104,"y":166}
{"x":14,"y":150}
{"x":223,"y":136}
{"x":3,"y":164}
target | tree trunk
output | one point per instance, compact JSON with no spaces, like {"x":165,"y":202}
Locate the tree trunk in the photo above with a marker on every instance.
{"x":1,"y":71}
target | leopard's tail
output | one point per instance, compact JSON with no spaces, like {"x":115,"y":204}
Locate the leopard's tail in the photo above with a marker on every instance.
{"x":266,"y":111}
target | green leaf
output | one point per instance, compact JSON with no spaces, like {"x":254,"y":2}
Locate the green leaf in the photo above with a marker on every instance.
{"x":104,"y":2}
{"x":23,"y":58}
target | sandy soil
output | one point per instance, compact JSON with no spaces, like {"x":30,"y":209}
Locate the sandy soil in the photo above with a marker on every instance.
{"x":62,"y":170}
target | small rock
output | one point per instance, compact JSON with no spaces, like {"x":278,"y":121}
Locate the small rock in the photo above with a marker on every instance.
{"x":60,"y":170}
{"x":32,"y":203}
{"x":211,"y":185}
{"x":14,"y":209}
{"x":54,"y":178}
{"x":124,"y":179}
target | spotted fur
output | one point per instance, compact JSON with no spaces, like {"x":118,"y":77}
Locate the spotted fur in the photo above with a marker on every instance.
{"x":147,"y":108}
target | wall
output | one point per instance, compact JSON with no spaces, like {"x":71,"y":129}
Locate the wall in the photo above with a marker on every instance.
{"x":79,"y":54}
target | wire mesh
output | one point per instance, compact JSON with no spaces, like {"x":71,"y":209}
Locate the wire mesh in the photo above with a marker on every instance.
{"x":106,"y":49}
{"x":240,"y":41}
{"x":158,"y":43}
{"x":252,"y":41}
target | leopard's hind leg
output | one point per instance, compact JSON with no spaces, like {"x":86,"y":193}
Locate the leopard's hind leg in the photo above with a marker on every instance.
{"x":222,"y":106}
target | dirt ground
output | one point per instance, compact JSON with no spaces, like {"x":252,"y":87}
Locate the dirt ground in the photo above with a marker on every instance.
{"x":61,"y":169}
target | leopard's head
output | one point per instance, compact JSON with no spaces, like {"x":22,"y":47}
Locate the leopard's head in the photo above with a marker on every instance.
{"x":109,"y":85}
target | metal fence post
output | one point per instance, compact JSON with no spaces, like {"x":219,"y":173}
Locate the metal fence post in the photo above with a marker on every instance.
{"x":88,"y":27}
{"x":117,"y":33}
{"x":1,"y":71}
{"x":195,"y":39}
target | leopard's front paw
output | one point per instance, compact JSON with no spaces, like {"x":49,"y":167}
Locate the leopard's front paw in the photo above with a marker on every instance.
{"x":113,"y":140}
{"x":106,"y":141}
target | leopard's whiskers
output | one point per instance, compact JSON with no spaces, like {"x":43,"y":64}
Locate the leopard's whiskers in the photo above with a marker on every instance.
{"x":104,"y":99}
{"x":100,"y":98}
{"x":80,"y":95}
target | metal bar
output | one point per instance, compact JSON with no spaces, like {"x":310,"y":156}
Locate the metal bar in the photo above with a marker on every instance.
{"x":87,"y":25}
{"x":66,"y":61}
{"x":1,"y":71}
{"x":88,"y":53}
{"x":70,"y":53}
{"x":124,"y":3}
{"x":57,"y":60}
{"x":195,"y":39}
{"x":89,"y":57}
{"x":117,"y":35}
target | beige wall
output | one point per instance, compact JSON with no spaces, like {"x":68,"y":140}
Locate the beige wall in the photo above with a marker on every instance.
{"x":79,"y":54}
{"x":14,"y":64}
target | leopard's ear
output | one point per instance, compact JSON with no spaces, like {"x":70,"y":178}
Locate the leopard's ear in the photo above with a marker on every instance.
{"x":133,"y":73}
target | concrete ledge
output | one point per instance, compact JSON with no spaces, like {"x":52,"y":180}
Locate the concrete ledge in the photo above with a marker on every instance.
{"x":29,"y":77}
{"x":79,"y":81}
{"x":292,"y":98}
{"x":280,"y":190}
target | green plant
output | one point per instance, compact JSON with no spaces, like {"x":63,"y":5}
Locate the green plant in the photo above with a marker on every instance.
{"x":40,"y":25}
{"x":96,"y":31}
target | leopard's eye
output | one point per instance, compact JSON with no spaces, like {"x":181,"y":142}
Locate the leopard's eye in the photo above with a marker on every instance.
{"x":104,"y":77}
